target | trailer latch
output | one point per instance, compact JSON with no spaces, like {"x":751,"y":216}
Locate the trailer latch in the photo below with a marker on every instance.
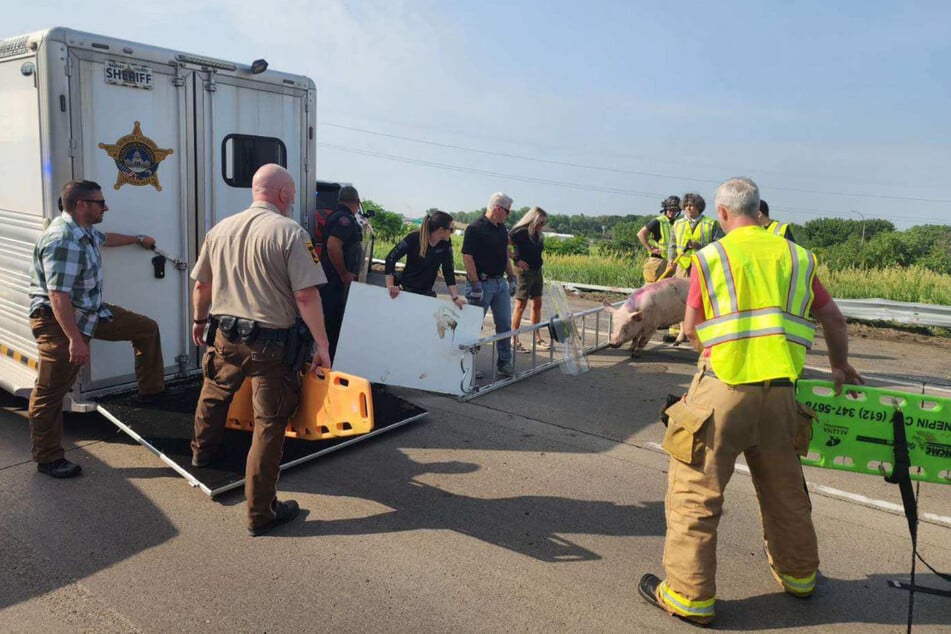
{"x":158,"y":263}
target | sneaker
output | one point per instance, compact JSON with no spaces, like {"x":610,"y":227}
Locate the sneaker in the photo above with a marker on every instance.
{"x":542,"y":345}
{"x":647,"y":588}
{"x":284,"y":512}
{"x":59,"y":468}
{"x":506,"y":369}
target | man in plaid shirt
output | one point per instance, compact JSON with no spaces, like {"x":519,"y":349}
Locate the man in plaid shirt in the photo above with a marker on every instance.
{"x":66,"y":311}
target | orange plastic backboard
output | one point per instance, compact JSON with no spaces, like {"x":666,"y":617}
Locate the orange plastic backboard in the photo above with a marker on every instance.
{"x":335,"y":406}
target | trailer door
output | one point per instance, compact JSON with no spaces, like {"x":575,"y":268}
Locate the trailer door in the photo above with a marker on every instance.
{"x":130,"y":123}
{"x":246,"y":123}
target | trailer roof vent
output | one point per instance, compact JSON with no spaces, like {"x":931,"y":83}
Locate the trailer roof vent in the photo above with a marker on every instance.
{"x":13,"y":46}
{"x":207,"y":62}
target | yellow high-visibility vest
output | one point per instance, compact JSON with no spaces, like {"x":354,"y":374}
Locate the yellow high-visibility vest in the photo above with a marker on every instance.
{"x":757,"y":300}
{"x":779,"y":228}
{"x":664,"y":234}
{"x":702,"y":233}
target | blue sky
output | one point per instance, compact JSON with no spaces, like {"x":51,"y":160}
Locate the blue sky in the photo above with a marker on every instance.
{"x":834,"y":108}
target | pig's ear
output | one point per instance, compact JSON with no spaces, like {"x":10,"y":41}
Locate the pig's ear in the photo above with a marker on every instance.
{"x":639,"y":315}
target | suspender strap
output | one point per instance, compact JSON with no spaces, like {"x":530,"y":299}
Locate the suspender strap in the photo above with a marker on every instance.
{"x":900,"y":476}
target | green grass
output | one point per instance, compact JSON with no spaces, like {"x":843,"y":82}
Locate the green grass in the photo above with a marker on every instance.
{"x":912,"y":284}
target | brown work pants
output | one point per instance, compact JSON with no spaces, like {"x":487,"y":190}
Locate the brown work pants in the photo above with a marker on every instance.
{"x":722,"y":421}
{"x":56,"y":375}
{"x":275,"y":391}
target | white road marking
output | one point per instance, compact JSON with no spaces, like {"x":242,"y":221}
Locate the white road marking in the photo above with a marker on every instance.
{"x":846,"y":496}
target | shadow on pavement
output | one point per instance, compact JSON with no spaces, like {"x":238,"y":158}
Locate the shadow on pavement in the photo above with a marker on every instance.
{"x":843,"y":601}
{"x":531,"y":525}
{"x":58,"y":531}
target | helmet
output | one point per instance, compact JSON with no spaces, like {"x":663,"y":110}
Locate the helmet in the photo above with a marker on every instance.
{"x":671,"y":202}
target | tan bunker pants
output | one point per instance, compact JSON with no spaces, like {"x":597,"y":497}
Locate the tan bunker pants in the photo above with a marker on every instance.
{"x":706,"y":433}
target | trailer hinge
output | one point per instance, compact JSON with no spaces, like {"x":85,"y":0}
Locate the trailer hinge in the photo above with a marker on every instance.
{"x":210,"y":85}
{"x":178,"y":81}
{"x":73,"y":147}
{"x":68,"y":67}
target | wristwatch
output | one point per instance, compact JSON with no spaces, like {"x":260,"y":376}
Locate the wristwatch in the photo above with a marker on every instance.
{"x":139,"y":239}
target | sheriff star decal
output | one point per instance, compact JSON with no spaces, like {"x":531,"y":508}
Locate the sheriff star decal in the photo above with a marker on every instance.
{"x":137,"y":158}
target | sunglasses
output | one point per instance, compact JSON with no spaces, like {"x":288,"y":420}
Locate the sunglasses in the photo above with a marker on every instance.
{"x":101,"y":203}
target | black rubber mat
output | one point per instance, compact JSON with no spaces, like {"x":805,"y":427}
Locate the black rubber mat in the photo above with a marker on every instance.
{"x":168,"y":426}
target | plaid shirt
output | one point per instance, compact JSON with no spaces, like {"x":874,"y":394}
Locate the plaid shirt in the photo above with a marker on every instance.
{"x":67,"y":259}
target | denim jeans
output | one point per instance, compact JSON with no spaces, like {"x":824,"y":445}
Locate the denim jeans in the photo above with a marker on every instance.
{"x":495,"y":295}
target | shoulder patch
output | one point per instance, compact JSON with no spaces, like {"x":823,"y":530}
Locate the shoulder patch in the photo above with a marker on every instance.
{"x":344,"y":221}
{"x":313,"y":252}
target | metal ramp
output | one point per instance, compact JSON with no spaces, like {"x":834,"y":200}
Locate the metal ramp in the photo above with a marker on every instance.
{"x":165,"y":429}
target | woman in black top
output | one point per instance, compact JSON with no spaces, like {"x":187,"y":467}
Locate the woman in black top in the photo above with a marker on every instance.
{"x":527,"y":243}
{"x":426,"y":251}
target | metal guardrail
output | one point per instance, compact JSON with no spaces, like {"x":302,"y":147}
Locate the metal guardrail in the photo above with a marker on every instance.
{"x":861,"y":309}
{"x":886,"y":310}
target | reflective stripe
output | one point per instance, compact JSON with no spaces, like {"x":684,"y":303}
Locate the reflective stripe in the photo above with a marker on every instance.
{"x":683,"y":606}
{"x":799,"y":295}
{"x":756,"y":323}
{"x":799,"y":584}
{"x":807,"y":284}
{"x":777,"y":228}
{"x":728,"y":276}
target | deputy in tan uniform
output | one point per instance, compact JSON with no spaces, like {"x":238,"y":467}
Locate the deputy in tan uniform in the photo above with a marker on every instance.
{"x":750,"y":309}
{"x":254,"y":274}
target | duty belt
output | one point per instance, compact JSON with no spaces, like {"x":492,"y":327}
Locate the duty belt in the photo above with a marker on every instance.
{"x":486,"y":276}
{"x":248,"y":330}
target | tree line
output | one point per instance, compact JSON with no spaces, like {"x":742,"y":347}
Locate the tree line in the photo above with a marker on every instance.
{"x":839,"y":243}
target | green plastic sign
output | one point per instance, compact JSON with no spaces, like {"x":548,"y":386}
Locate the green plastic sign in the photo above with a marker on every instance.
{"x":853,"y":431}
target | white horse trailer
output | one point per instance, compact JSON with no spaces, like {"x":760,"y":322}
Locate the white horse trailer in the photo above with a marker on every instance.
{"x":172,"y":138}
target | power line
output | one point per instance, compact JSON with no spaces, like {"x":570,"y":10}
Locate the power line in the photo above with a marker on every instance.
{"x":471,"y":170}
{"x":523,"y":157}
{"x":567,"y":184}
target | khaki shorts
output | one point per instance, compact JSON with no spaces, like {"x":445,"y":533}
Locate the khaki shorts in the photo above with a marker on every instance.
{"x":530,"y":284}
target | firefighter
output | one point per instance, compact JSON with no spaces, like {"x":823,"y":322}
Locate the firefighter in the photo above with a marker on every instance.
{"x":692,"y":232}
{"x":750,"y":310}
{"x":773,"y":226}
{"x":655,"y":236}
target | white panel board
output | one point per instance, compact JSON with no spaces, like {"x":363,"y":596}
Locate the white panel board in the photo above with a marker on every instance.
{"x":411,"y":341}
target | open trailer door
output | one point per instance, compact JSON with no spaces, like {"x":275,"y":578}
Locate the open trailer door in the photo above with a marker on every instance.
{"x":165,"y":429}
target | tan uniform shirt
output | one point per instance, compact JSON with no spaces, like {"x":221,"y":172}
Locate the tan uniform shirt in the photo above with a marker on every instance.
{"x":254,"y":262}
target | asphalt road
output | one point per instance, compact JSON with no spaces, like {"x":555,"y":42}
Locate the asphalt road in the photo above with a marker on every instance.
{"x":533,"y":508}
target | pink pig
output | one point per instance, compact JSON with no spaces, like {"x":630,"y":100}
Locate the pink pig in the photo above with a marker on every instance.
{"x":650,"y":307}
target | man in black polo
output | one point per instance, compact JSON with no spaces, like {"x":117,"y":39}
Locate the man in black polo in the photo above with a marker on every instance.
{"x":485,"y":254}
{"x":342,"y":237}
